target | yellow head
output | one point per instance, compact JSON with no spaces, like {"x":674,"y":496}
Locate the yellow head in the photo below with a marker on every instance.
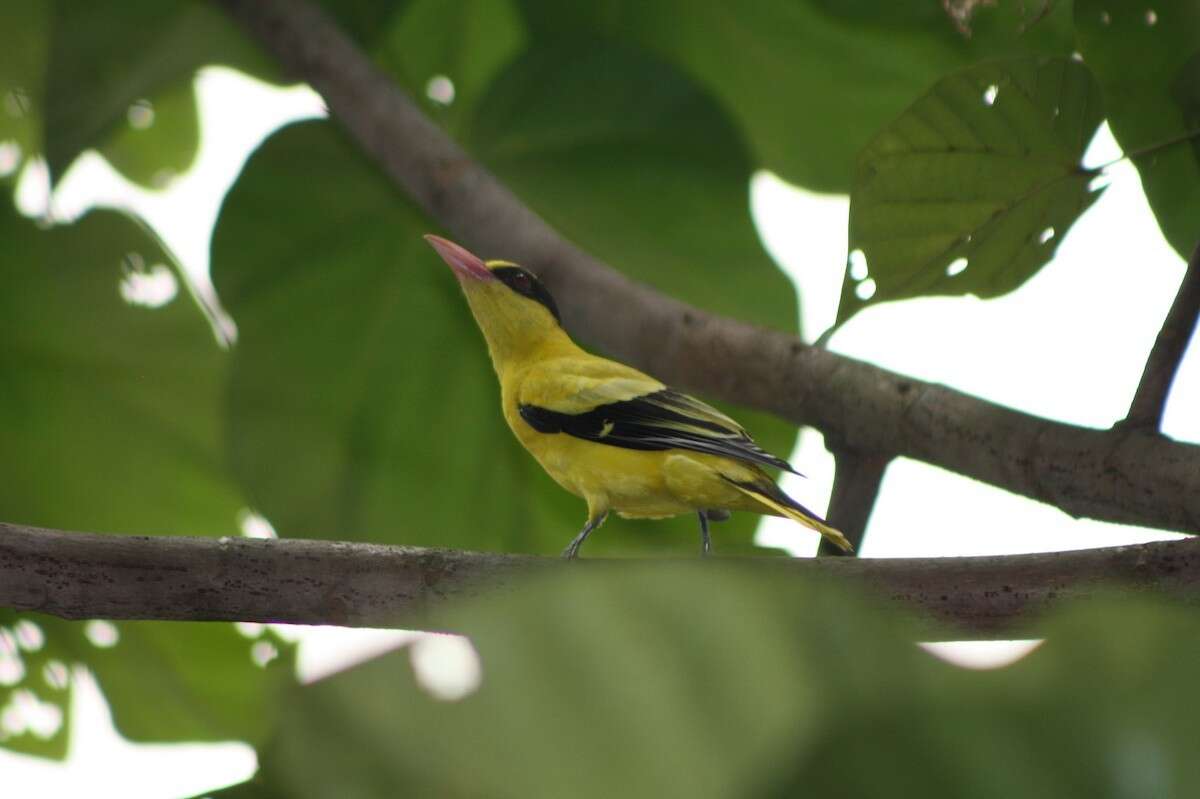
{"x":517,"y":315}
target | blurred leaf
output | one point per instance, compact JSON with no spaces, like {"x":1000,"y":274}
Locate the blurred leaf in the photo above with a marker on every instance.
{"x":109,"y":422}
{"x":362,"y":398}
{"x":22,"y":68}
{"x":109,"y":414}
{"x":629,"y":684}
{"x":809,"y":81}
{"x":465,"y":43}
{"x":165,"y":682}
{"x":1146,"y":58}
{"x":973,"y":187}
{"x":88,"y":72}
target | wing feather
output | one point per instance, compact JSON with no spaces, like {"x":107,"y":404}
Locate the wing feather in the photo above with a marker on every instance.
{"x":619,"y":406}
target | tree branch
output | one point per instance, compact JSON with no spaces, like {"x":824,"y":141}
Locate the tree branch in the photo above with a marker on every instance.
{"x":1131,"y":478}
{"x":1150,"y":399}
{"x":856,"y":480}
{"x":89,"y":575}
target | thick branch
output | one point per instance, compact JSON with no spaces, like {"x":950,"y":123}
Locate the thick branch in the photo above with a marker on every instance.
{"x":1150,"y":400}
{"x":88,"y":575}
{"x":1120,"y":477}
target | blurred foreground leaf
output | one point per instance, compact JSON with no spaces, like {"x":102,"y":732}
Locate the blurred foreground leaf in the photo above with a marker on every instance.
{"x":1146,"y":58}
{"x":973,"y":187}
{"x":709,"y":682}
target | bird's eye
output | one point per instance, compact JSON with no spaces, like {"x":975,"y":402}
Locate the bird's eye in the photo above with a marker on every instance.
{"x":522,"y":282}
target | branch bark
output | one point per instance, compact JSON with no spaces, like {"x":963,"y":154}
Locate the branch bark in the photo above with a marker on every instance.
{"x":89,"y":575}
{"x":1150,"y":399}
{"x":1125,"y":476}
{"x":856,"y":481}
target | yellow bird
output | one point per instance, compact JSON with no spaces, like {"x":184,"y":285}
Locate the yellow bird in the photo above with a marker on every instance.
{"x":615,"y":437}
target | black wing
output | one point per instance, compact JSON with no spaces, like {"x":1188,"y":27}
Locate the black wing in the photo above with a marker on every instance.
{"x":665,"y":419}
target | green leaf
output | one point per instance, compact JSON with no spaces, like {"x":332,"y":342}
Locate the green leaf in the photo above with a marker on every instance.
{"x":718,"y":682}
{"x":1146,"y":58}
{"x":109,"y":422}
{"x":362,"y":403}
{"x":656,"y":681}
{"x":88,"y":74}
{"x":972,"y":188}
{"x":467,"y":43}
{"x":807,"y":82}
{"x":110,"y":410}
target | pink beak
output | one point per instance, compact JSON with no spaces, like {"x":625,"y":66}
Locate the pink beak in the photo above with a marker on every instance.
{"x":465,"y":264}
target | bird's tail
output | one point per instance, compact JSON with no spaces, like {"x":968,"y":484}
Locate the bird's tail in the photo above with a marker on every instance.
{"x":773,"y":497}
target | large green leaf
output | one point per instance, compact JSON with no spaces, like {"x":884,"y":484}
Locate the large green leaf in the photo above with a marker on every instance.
{"x":808,"y":81}
{"x":711,"y":682}
{"x":109,"y":415}
{"x":362,"y":402}
{"x":466,"y":43}
{"x":110,"y":422}
{"x":116,"y":77}
{"x":972,"y":188}
{"x":1146,"y":58}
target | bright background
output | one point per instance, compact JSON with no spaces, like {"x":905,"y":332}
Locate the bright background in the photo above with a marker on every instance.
{"x":1069,"y":345}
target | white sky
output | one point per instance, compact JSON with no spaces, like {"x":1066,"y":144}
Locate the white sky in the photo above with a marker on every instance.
{"x":1068,"y":345}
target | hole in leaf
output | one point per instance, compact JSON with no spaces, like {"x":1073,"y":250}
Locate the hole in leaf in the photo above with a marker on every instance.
{"x":10,"y":158}
{"x":150,"y":288}
{"x":102,"y":633}
{"x":956,"y":267}
{"x":858,"y":265}
{"x":1151,"y":17}
{"x":865,"y":290}
{"x":56,"y":675}
{"x":29,"y":636}
{"x":1105,"y":18}
{"x":989,"y":94}
{"x":263,"y":652}
{"x":440,"y":89}
{"x":1077,"y":56}
{"x":12,"y":668}
{"x":140,"y":115}
{"x":32,"y":196}
{"x":1046,"y":235}
{"x":447,"y":667}
{"x":25,"y":713}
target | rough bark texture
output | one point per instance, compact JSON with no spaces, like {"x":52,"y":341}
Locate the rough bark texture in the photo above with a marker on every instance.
{"x":1130,"y":476}
{"x":88,"y":575}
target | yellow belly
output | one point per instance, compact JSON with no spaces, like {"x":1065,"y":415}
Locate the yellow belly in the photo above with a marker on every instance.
{"x":641,"y":484}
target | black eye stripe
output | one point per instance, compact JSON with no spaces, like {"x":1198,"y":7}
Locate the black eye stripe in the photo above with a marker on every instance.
{"x":527,"y":285}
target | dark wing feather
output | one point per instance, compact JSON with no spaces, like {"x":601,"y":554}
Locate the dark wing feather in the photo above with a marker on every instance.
{"x":664,"y":419}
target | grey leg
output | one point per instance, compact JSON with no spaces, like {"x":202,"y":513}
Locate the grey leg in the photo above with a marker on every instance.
{"x":573,"y":548}
{"x":705,"y":541}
